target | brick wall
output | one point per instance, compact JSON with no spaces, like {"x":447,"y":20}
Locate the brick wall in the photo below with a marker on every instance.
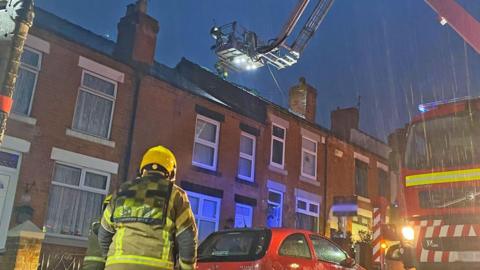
{"x":22,"y":253}
{"x":53,"y":107}
{"x":169,"y":116}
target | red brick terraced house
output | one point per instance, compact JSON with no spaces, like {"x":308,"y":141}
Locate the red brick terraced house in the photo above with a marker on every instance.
{"x":86,"y":108}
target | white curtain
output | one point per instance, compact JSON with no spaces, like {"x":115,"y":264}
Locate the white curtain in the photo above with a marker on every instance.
{"x":92,"y":114}
{"x":71,"y":211}
{"x":23,"y":91}
{"x":306,"y":222}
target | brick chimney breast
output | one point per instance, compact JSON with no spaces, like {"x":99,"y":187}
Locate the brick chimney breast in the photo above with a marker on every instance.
{"x":343,"y":120}
{"x":137,"y":35}
{"x":302,"y":100}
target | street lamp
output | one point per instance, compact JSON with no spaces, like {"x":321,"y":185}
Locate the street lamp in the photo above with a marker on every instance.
{"x":16,"y":17}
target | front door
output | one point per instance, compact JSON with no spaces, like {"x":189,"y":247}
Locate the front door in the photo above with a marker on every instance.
{"x":9,"y":164}
{"x":5,"y":210}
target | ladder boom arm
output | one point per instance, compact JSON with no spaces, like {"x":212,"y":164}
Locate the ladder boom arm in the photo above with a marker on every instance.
{"x":312,"y":24}
{"x":459,"y":19}
{"x":288,"y":27}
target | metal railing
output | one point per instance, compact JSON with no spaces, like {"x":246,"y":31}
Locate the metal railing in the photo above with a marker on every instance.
{"x":60,"y":261}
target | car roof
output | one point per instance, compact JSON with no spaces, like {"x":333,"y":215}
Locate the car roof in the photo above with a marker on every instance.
{"x":275,"y":231}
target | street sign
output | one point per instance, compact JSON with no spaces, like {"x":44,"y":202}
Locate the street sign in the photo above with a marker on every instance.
{"x":344,"y":206}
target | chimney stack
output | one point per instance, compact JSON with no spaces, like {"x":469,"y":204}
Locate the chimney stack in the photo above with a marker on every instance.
{"x":302,"y":100}
{"x":343,"y":120}
{"x":137,"y":35}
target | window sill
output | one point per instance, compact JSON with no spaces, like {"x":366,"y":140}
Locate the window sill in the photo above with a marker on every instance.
{"x":66,"y":240}
{"x":277,"y":170}
{"x":23,"y":118}
{"x":246,"y":182}
{"x":89,"y":138}
{"x":207,"y":171}
{"x":309,"y":180}
{"x":363,"y":199}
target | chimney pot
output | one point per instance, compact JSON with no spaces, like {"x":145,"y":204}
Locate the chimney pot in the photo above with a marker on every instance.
{"x":141,"y":6}
{"x":137,"y":35}
{"x":130,"y":9}
{"x":343,"y":120}
{"x":302,"y":100}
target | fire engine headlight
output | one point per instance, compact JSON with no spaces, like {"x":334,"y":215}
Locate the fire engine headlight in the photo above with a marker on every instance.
{"x":408,"y":233}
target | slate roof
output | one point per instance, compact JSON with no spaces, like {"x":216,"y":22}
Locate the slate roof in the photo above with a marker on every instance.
{"x":79,"y":35}
{"x":187,"y":76}
{"x":238,"y":98}
{"x":75,"y":33}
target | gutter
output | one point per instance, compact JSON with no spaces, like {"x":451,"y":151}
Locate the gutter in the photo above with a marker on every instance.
{"x":325,"y":210}
{"x":138,"y":79}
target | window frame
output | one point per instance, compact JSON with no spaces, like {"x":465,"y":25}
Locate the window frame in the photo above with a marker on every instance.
{"x":275,"y":203}
{"x":206,"y":143}
{"x":307,"y":210}
{"x":81,"y":187}
{"x":359,"y":219}
{"x":308,"y":203}
{"x":36,"y":71}
{"x":329,"y":242}
{"x":303,"y":151}
{"x":282,"y":140}
{"x":250,"y":214}
{"x":291,"y":256}
{"x":83,"y":172}
{"x":99,"y":94}
{"x":248,"y":157}
{"x":366,"y":178}
{"x":201,"y":198}
{"x":12,"y":152}
{"x":386,"y":186}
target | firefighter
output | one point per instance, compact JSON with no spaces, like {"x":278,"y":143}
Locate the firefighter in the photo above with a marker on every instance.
{"x":149,"y":222}
{"x":94,"y":259}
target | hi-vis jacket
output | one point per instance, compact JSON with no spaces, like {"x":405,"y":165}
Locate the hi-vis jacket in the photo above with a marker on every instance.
{"x":94,"y":259}
{"x":149,"y":220}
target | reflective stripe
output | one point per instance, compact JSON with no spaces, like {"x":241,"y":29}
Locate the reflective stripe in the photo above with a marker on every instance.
{"x":185,"y":265}
{"x":133,"y":259}
{"x":458,"y":231}
{"x":443,"y":231}
{"x":166,"y":245}
{"x":442,"y":177}
{"x":94,"y":259}
{"x":107,"y":215}
{"x":183,"y":218}
{"x":119,"y":241}
{"x":429,"y":232}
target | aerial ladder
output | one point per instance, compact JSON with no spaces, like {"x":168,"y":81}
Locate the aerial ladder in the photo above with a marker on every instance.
{"x":240,"y":49}
{"x":453,"y":14}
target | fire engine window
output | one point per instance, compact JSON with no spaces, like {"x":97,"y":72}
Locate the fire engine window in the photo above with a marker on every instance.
{"x":444,"y":142}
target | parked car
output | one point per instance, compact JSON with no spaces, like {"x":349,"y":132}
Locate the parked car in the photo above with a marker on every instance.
{"x":271,"y":249}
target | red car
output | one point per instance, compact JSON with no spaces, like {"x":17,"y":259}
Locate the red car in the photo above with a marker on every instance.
{"x":271,"y":249}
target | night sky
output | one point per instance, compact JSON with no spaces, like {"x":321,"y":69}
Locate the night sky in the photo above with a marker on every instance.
{"x":394,"y":54}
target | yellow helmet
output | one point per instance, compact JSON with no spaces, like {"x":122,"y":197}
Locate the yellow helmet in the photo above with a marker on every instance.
{"x":159,"y":159}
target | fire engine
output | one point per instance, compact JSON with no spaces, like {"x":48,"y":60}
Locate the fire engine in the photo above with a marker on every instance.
{"x":441,"y":173}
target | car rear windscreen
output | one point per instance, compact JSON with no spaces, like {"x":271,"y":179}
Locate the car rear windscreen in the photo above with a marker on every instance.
{"x":234,"y":246}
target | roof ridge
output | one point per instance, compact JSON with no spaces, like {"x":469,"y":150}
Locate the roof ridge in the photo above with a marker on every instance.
{"x":72,"y":24}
